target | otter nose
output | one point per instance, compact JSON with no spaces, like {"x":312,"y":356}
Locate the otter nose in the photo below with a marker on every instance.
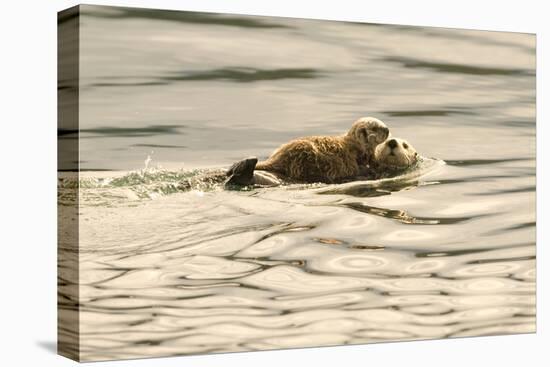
{"x":392,"y":143}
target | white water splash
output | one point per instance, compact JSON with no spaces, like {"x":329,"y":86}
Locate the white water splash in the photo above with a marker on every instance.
{"x":148,"y":161}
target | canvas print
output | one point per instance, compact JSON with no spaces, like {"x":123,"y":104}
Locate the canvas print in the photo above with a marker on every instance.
{"x":232,"y":183}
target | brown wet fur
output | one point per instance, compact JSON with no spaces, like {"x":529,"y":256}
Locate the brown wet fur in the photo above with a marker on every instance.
{"x":317,"y":159}
{"x":328,"y":159}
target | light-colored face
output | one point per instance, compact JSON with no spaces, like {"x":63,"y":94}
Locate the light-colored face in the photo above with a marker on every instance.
{"x":369,"y":131}
{"x":395,"y":153}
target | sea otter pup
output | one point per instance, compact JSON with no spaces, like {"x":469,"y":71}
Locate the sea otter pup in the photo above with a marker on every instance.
{"x":327,"y":159}
{"x":389,"y":159}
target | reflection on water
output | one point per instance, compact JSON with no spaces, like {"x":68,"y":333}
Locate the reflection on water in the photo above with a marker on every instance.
{"x":242,"y":75}
{"x":445,"y":251}
{"x":456,"y":68}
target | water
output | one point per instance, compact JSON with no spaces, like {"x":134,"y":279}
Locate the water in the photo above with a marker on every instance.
{"x":446,"y":252}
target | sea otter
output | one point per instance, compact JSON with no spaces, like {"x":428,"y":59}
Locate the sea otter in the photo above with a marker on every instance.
{"x":389,"y":158}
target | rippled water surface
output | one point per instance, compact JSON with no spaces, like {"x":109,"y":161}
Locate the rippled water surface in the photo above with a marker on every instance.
{"x":448,"y":251}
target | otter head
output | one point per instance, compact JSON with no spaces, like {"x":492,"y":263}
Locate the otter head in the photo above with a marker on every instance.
{"x":368,"y":132}
{"x":395,"y":153}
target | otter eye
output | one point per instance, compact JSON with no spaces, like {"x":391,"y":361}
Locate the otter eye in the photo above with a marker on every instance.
{"x":405,"y":145}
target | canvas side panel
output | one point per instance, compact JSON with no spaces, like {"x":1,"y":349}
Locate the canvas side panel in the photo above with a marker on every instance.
{"x":68,"y":46}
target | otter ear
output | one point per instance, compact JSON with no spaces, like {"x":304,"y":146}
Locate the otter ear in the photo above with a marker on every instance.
{"x":386,"y":132}
{"x":362,"y":133}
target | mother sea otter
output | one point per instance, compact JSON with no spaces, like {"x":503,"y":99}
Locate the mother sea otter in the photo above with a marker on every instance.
{"x":390,"y":158}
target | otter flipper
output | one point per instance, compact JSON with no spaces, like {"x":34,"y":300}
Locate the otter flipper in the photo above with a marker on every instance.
{"x":241,"y":173}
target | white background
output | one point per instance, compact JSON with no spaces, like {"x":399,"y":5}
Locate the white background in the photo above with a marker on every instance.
{"x":28,"y":182}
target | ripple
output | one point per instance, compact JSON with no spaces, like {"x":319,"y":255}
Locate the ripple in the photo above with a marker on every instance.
{"x":267,"y":247}
{"x":403,"y":217}
{"x":120,"y":13}
{"x":487,"y":313}
{"x":384,"y":334}
{"x":444,"y":112}
{"x":457,"y":68}
{"x":494,"y":269}
{"x":236,"y":74}
{"x":425,"y":266}
{"x":291,"y":280}
{"x":352,"y":263}
{"x":498,"y":328}
{"x":490,"y":285}
{"x":305,"y":340}
{"x":206,"y":267}
{"x":147,"y":131}
{"x":484,"y":162}
{"x":404,"y":235}
{"x":296,"y":302}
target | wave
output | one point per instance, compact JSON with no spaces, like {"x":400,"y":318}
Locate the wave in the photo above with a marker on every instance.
{"x":151,"y":183}
{"x":385,"y":186}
